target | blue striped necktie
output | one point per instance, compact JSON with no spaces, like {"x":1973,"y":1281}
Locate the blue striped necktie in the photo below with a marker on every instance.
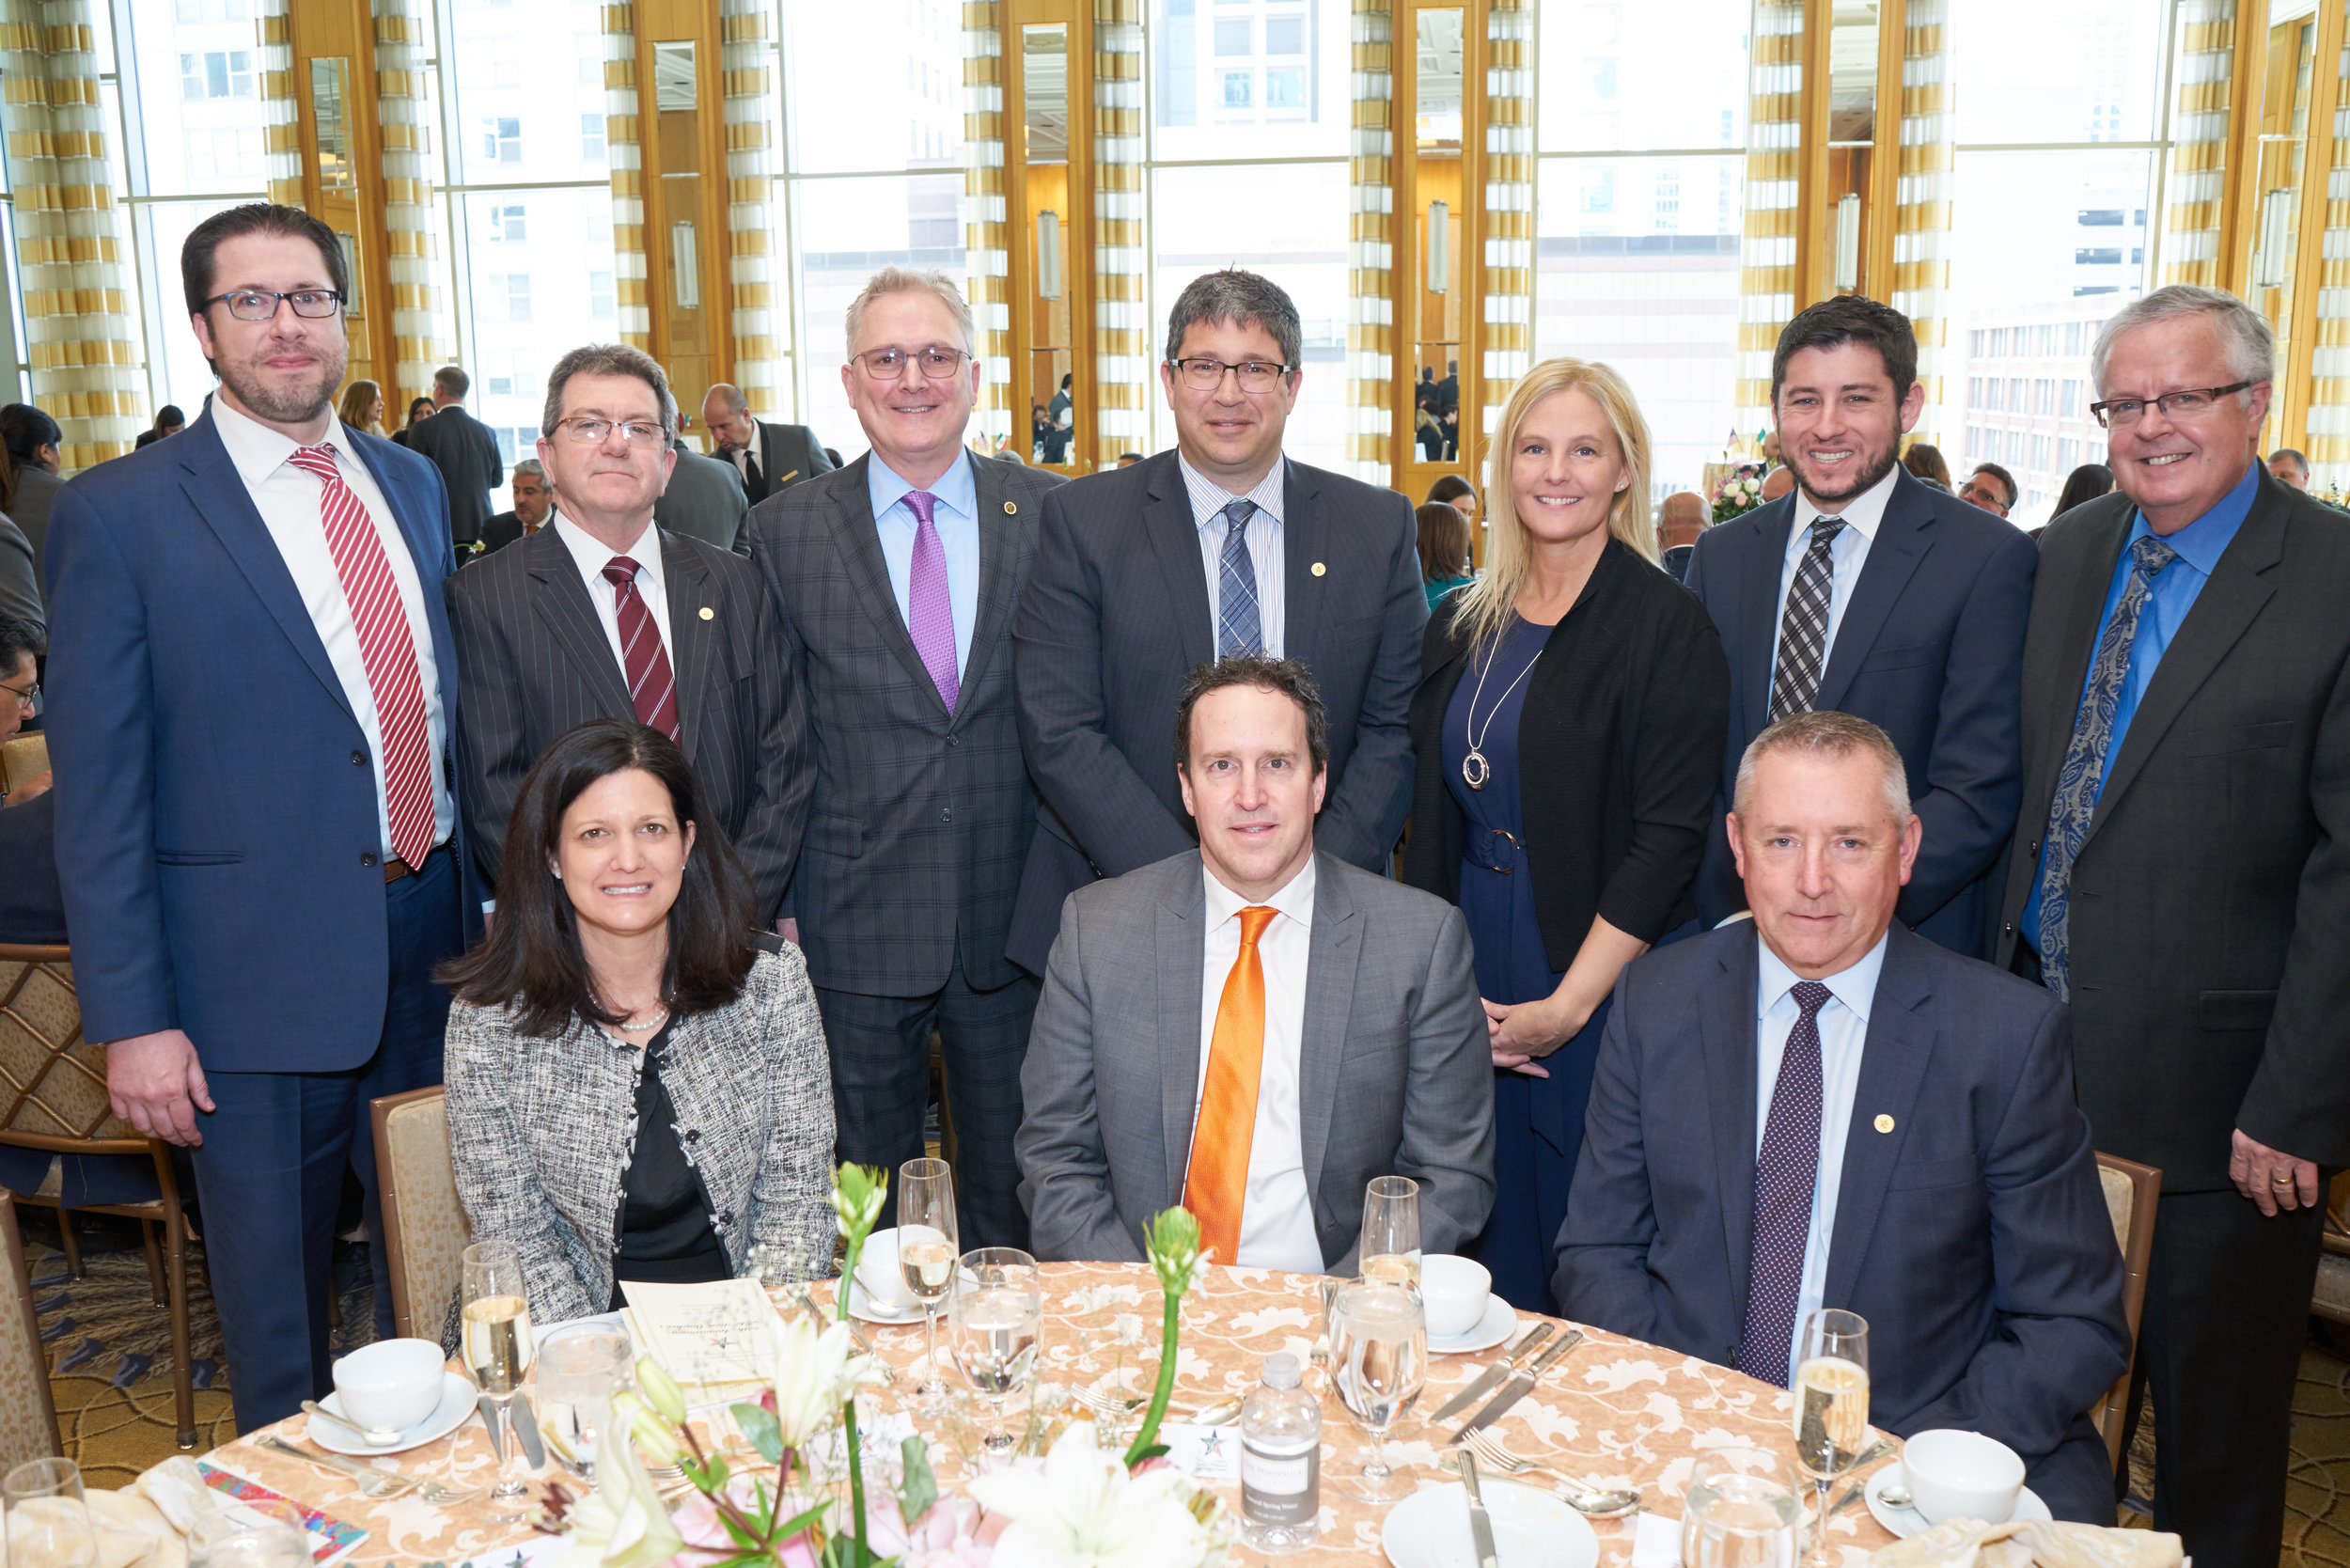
{"x":1239,"y":629}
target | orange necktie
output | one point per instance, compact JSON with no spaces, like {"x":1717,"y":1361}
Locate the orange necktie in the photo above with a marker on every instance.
{"x":1217,"y":1184}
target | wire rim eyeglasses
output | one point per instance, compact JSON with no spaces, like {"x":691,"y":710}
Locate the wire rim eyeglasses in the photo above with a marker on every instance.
{"x":587,"y":430}
{"x":937,"y":362}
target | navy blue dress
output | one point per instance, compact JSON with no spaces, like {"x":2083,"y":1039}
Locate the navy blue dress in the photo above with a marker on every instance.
{"x":1538,"y":1123}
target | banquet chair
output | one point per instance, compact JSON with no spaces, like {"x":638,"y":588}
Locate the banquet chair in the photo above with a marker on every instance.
{"x":28,"y":1412}
{"x":2132,"y":1190}
{"x":2330,"y":1300}
{"x":20,"y":758}
{"x":52,"y":1099}
{"x":425,"y":1228}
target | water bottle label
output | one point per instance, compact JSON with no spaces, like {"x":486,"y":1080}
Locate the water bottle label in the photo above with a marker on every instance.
{"x":1280,"y":1489}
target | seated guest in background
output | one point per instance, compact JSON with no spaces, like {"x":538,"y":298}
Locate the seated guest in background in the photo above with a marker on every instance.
{"x":1566,"y":732}
{"x":1818,"y":1108}
{"x":466,"y":452}
{"x":170,"y":421}
{"x":1444,"y":550}
{"x":635,"y":1092}
{"x":1424,"y":427}
{"x":1990,"y":487}
{"x":605,"y":616}
{"x":32,"y":439}
{"x":22,"y":644}
{"x":362,"y":407}
{"x":1925,"y":464}
{"x":534,"y":502}
{"x":2085,"y":483}
{"x":767,"y":456}
{"x":1336,"y":1035}
{"x":1456,"y":492}
{"x":2289,"y":467}
{"x":704,"y":499}
{"x":1871,"y":593}
{"x":418,"y":412}
{"x":1777,"y":482}
{"x":1127,"y":460}
{"x":20,"y":580}
{"x":1679,"y":521}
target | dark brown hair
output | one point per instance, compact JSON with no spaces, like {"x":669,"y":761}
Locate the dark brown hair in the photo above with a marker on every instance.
{"x":1443,"y":542}
{"x":1924,"y":462}
{"x":532,"y":963}
{"x":1284,"y":677}
{"x":1849,"y":319}
{"x":2085,"y":483}
{"x":255,"y":217}
{"x":1450,"y":487}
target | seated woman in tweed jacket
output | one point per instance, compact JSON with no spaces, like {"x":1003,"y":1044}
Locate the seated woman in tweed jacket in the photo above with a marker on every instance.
{"x":633,"y":1092}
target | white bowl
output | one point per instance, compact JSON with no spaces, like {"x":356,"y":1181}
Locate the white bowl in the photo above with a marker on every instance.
{"x":1963,"y":1475}
{"x":877,"y":1268}
{"x":1456,"y":1290}
{"x":392,"y":1384}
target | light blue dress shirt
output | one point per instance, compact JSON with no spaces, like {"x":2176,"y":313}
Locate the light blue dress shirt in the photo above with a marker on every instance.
{"x":2172,"y":593}
{"x":1847,"y":553}
{"x":957,"y":518}
{"x":1843,"y":1035}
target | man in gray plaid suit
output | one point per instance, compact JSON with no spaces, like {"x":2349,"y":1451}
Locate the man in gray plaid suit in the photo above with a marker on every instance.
{"x":895,"y":579}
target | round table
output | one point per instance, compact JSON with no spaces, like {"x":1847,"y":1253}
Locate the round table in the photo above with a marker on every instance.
{"x":1613,"y":1411}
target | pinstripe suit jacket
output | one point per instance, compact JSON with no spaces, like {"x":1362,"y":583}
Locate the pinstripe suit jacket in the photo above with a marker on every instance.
{"x":533,"y":661}
{"x":921,"y":821}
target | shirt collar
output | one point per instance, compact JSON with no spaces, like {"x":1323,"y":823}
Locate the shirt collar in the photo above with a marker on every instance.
{"x":259,"y":451}
{"x":2201,"y":542}
{"x":1209,"y":498}
{"x":1861,"y":514}
{"x":592,"y":554}
{"x":1856,"y":987}
{"x":958,"y":489}
{"x":1295,"y":897}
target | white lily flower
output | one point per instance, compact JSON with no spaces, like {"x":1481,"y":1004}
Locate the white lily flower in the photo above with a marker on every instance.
{"x":815,"y":1373}
{"x":1086,"y":1510}
{"x":622,"y":1523}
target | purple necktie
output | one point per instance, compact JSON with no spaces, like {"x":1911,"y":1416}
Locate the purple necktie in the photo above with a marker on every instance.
{"x":1784,"y":1176}
{"x":930,"y":614}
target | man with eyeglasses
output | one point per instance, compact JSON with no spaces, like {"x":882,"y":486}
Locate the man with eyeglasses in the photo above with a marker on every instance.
{"x":1224,"y":545}
{"x":895,"y":579}
{"x":259,"y":845}
{"x":2181,"y":875}
{"x":606,"y":615}
{"x":32,"y":910}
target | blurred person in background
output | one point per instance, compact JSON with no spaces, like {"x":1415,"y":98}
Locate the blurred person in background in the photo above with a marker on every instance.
{"x":1679,"y":523}
{"x":1444,"y":550}
{"x":1926,"y":465}
{"x":418,"y":412}
{"x":170,"y":421}
{"x":1990,"y":487}
{"x":362,"y":408}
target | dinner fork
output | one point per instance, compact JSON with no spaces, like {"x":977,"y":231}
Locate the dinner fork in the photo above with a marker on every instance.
{"x":374,"y":1483}
{"x":1581,"y":1496}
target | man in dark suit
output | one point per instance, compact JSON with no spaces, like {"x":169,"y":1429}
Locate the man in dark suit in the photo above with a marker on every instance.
{"x":1868,"y":592}
{"x":1820,"y":1109}
{"x":606,"y":615}
{"x":1059,"y":430}
{"x":1221,"y":547}
{"x":703,"y":500}
{"x":462,"y":448}
{"x":1449,"y":409}
{"x":767,"y":456}
{"x":22,"y":644}
{"x":895,"y":579}
{"x":260,"y":888}
{"x":534,"y":502}
{"x":2182,"y":875}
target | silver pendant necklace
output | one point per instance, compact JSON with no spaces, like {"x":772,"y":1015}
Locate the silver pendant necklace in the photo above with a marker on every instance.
{"x":1475,"y":771}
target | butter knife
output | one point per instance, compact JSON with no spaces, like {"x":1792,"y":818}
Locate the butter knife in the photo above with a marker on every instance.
{"x":1521,"y":1384}
{"x":1480,"y":1525}
{"x":526,"y":1425}
{"x":1527,"y":1344}
{"x":489,"y":1408}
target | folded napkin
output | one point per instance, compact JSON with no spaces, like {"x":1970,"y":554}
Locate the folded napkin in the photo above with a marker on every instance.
{"x":2035,"y":1544}
{"x":129,"y":1531}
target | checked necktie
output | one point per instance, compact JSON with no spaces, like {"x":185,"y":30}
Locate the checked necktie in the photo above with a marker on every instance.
{"x":1238,"y":629}
{"x":2083,"y":776}
{"x":1784,"y":1176}
{"x":652,"y":686}
{"x":1803,"y":630}
{"x":1216,"y":1186}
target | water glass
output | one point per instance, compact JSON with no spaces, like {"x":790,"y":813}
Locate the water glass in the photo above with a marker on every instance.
{"x":1746,"y":1520}
{"x":580,"y":1369}
{"x":46,"y":1522}
{"x":496,"y":1347}
{"x":1390,"y":1248}
{"x":997,"y":1316}
{"x":1378,"y":1363}
{"x":926,"y":1257}
{"x":263,"y":1533}
{"x":1706,"y":1479}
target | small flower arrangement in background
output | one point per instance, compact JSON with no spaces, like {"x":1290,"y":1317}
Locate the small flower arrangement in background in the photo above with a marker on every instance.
{"x":1741,"y":492}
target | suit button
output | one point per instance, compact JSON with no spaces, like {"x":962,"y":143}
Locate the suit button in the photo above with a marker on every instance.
{"x":358,"y":759}
{"x":946,"y":813}
{"x":2008,"y":930}
{"x":367,"y":857}
{"x":727,"y":1218}
{"x":693,"y":1135}
{"x":2033,"y":852}
{"x":954,"y":740}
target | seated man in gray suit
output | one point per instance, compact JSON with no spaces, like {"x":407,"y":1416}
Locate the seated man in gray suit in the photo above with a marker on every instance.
{"x":1255,"y":1030}
{"x":1819,"y":1108}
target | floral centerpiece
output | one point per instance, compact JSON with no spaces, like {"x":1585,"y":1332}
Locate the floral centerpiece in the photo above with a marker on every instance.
{"x":1076,"y":1506}
{"x":1741,"y":492}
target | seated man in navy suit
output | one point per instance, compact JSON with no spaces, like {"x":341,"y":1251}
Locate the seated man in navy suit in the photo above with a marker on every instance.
{"x":1820,"y":1109}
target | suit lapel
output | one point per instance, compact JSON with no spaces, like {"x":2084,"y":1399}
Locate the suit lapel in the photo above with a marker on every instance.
{"x":998,"y":580}
{"x":687,"y":579}
{"x":859,"y":537}
{"x":559,"y":597}
{"x":1892,"y":1065}
{"x":1181,"y":957}
{"x":1894,"y":556}
{"x":1301,"y":549}
{"x":1758,"y":605}
{"x":1335,"y":949}
{"x":1166,"y":522}
{"x":2061,"y":700}
{"x":1726,"y":1021}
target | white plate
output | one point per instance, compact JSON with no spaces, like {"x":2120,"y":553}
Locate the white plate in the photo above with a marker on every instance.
{"x":1906,"y":1522}
{"x":1494,"y":1327}
{"x":459,"y":1400}
{"x":1531,"y":1530}
{"x":863,"y":1306}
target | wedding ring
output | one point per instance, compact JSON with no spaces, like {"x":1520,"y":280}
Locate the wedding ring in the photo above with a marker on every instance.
{"x":2282,"y":1181}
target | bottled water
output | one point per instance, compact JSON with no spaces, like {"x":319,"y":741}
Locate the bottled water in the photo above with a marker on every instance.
{"x":1280,"y":1461}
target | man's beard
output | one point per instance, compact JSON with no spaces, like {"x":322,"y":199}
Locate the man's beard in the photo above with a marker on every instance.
{"x":1875,"y":470}
{"x":296,"y":403}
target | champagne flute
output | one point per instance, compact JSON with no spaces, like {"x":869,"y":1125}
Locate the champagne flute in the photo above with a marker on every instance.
{"x":1378,"y":1362}
{"x":926,"y":1256}
{"x":46,"y":1521}
{"x":997,"y":1314}
{"x":1831,"y":1390}
{"x":496,"y":1348}
{"x":1389,"y":1245}
{"x":1758,"y":1494}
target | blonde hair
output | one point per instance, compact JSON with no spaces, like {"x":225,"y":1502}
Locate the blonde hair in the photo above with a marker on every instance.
{"x":358,"y":410}
{"x":1487,"y":604}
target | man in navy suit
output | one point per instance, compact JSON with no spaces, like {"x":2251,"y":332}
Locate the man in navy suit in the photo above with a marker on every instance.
{"x":253,"y":700}
{"x":1821,"y":1110}
{"x":1870,"y":593}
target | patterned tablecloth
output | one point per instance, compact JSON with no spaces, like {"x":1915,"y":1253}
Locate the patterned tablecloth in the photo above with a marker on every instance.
{"x":1614,"y":1411}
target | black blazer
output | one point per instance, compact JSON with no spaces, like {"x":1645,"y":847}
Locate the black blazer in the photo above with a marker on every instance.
{"x":466,"y":454}
{"x":500,"y":531}
{"x":2210,"y":910}
{"x":1930,"y":650}
{"x":705,"y":500}
{"x":1116,"y":616}
{"x":788,"y":455}
{"x":533,"y":661}
{"x":32,"y":906}
{"x":1618,"y":742}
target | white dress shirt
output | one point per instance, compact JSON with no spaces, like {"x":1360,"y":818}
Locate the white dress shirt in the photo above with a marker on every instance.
{"x":1277,"y":1220}
{"x":1843,"y":1036}
{"x":1848,"y":552}
{"x":592,"y":555}
{"x":287,"y":500}
{"x":1208,"y":501}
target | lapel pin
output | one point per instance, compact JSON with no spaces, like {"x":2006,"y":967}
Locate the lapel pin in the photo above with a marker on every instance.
{"x":1320,"y":569}
{"x":1885,"y":1123}
{"x":709,"y":613}
{"x":1010,"y":509}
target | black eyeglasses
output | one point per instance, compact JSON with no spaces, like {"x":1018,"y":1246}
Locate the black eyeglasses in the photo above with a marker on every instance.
{"x":260,"y":304}
{"x":2183,"y":404}
{"x":1204,"y":374}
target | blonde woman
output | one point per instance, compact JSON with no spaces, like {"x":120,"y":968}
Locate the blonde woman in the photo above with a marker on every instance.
{"x":362,"y":408}
{"x":1567,"y":731}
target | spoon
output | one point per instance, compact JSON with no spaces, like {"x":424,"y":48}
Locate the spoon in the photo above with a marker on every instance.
{"x":1894,"y":1493}
{"x":375,"y":1436}
{"x":1596,"y":1503}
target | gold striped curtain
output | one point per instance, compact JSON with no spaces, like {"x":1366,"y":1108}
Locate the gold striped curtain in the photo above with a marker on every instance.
{"x":747,"y":57}
{"x":281,"y":140}
{"x":1370,"y":245}
{"x":1507,"y":328}
{"x":1766,"y":276}
{"x":986,"y":262}
{"x":88,"y":368}
{"x":410,"y":213}
{"x":2198,"y":156}
{"x":2329,"y":355}
{"x":1122,"y":335}
{"x":1922,"y":213}
{"x":624,"y":148}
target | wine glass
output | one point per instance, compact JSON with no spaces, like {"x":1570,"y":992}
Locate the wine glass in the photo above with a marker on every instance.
{"x":495,"y":1344}
{"x":997,"y":1314}
{"x":580,"y":1367}
{"x":1378,"y":1361}
{"x":1831,"y":1390}
{"x":926,"y":1256}
{"x":1751,"y":1482}
{"x":1390,"y":1248}
{"x":47,"y":1523}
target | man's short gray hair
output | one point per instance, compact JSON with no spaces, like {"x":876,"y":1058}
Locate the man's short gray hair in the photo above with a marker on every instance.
{"x":2249,"y":342}
{"x":1828,"y":734}
{"x":530,"y":468}
{"x":607,"y":359}
{"x":452,"y":383}
{"x":912,"y":280}
{"x":1238,"y":296}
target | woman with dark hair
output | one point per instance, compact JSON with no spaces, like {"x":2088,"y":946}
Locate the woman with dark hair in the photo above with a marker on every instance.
{"x":168,"y":421}
{"x":1456,"y":492}
{"x":635,"y":1093}
{"x":1444,"y":550}
{"x":1925,"y":464}
{"x":418,"y":412}
{"x":2085,"y":483}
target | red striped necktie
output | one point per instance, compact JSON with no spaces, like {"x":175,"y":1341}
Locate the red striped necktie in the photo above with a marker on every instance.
{"x":387,"y":649}
{"x":651,"y":685}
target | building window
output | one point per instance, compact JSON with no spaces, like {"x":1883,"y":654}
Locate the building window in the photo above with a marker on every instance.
{"x":600,"y":302}
{"x":510,"y":293}
{"x":1232,"y":36}
{"x":508,"y":225}
{"x":1284,"y":90}
{"x":2040,"y":444}
{"x":1283,"y":35}
{"x":1236,"y":93}
{"x":502,"y":140}
{"x":2071,"y":406}
{"x":2044,"y":400}
{"x":220,"y":73}
{"x":214,"y":11}
{"x":2068,"y":455}
{"x":2109,"y":256}
{"x":591,"y":145}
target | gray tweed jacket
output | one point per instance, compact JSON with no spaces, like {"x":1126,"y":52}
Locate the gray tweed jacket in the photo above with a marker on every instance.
{"x":540,"y":1132}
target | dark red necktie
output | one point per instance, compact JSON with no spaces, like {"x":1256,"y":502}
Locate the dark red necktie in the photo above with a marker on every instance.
{"x":643,"y":659}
